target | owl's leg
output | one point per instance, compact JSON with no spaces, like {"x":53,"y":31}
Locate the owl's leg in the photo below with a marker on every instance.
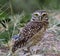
{"x":28,"y":51}
{"x":31,"y":51}
{"x":45,"y":27}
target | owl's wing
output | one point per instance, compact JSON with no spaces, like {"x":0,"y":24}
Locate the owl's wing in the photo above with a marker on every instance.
{"x":35,"y":38}
{"x":28,"y":32}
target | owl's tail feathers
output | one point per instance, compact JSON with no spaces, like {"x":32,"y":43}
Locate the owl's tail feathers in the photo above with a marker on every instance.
{"x":18,"y":44}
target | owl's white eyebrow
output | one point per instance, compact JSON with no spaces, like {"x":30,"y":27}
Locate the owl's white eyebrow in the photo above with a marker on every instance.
{"x":37,"y":13}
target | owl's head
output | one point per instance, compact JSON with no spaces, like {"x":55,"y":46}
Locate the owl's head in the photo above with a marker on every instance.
{"x":40,"y":15}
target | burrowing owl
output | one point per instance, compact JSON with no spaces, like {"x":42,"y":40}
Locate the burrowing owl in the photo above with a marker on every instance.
{"x":38,"y":21}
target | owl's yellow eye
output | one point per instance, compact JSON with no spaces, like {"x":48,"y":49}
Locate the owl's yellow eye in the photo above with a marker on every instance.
{"x":36,"y":14}
{"x":44,"y":15}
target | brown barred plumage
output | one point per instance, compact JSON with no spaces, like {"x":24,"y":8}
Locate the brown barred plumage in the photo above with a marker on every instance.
{"x":33,"y":30}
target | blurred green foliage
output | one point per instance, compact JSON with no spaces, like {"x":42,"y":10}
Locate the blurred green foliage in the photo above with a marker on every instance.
{"x":26,"y":18}
{"x":30,"y":5}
